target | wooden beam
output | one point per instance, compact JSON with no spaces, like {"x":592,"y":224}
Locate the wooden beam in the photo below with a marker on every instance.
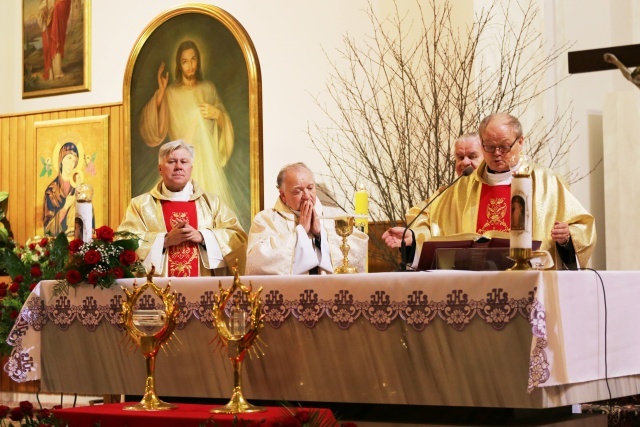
{"x":585,"y":61}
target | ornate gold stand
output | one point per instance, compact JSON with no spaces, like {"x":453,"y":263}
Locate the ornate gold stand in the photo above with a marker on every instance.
{"x":238,"y":343}
{"x":522,"y":256}
{"x":344,"y":228}
{"x":150,"y":344}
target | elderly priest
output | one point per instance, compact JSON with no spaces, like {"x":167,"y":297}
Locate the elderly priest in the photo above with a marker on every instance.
{"x":184,"y":231}
{"x":480,"y":203}
{"x":298,"y":236}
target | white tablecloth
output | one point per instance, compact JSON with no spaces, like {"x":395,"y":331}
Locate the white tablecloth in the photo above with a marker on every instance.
{"x":461,"y":325}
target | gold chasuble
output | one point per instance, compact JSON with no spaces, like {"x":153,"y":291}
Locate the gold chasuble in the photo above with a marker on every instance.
{"x":147,"y":218}
{"x":182,"y":258}
{"x":460,"y":210}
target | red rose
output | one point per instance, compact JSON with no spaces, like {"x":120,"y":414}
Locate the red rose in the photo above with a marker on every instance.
{"x":4,"y":411}
{"x":4,"y":285}
{"x":3,"y":292}
{"x":44,"y":413}
{"x":104,"y":233}
{"x":75,"y":245}
{"x":27,"y":407}
{"x":128,"y":257}
{"x":117,"y":272}
{"x":43,"y":242}
{"x":47,"y":253}
{"x":73,"y":277}
{"x":32,"y":246}
{"x":16,"y":414}
{"x":57,"y":407}
{"x":32,"y":286}
{"x":14,"y":287}
{"x":303,"y":417}
{"x":93,"y":277}
{"x":35,"y":272}
{"x":14,"y":314}
{"x":92,"y":257}
{"x":59,"y":275}
{"x":19,"y":278}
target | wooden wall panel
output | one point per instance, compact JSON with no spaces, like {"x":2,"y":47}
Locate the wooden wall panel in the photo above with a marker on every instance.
{"x":18,"y":165}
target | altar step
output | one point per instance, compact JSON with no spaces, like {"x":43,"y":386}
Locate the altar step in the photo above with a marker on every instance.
{"x":577,"y":420}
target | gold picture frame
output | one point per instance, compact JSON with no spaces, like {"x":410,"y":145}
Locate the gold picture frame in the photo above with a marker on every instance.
{"x":56,"y":47}
{"x":69,"y":152}
{"x":228,"y":65}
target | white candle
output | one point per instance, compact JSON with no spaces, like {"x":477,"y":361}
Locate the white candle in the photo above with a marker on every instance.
{"x":521,"y":212}
{"x":84,"y":221}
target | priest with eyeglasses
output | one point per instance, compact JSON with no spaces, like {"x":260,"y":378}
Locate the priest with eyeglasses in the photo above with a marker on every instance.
{"x":480,"y":203}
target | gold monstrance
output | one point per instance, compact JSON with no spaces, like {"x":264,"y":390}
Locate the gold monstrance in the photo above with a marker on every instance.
{"x":149,"y":345}
{"x":236,"y":337}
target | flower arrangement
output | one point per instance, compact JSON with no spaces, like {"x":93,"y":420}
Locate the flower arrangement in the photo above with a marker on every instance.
{"x":40,"y":258}
{"x":26,"y":416}
{"x":108,"y":257}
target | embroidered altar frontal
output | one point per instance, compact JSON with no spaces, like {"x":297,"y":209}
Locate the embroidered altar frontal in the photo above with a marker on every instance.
{"x":497,"y":339}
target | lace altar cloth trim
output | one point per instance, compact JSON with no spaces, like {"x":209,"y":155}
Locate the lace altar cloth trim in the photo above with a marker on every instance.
{"x":418,"y":310}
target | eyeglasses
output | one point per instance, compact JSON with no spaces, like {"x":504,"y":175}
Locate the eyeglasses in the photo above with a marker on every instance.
{"x":504,"y":149}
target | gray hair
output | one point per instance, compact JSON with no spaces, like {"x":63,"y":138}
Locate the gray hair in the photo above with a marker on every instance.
{"x":285,"y":169}
{"x":505,"y":118}
{"x":170,"y":147}
{"x":469,"y":137}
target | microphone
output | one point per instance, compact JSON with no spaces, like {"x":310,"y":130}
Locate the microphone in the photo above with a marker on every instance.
{"x":403,"y":245}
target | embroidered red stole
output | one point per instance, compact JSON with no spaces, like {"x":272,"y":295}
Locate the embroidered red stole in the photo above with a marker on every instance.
{"x":493,"y":209}
{"x":183,"y":258}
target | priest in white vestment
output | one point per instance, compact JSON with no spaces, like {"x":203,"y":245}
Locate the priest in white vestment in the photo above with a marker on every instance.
{"x":191,"y":109}
{"x":297,"y":236}
{"x":184,"y":230}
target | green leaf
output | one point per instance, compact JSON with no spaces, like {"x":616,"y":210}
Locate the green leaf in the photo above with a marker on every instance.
{"x":3,"y":195}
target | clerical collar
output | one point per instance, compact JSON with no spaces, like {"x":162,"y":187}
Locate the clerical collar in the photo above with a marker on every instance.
{"x":492,"y":171}
{"x":178,"y":196}
{"x":499,"y":178}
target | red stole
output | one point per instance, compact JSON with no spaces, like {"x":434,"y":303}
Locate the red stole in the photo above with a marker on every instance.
{"x":183,"y":258}
{"x":494,"y":211}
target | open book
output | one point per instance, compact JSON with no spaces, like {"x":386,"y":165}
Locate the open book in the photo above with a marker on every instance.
{"x":426,"y":259}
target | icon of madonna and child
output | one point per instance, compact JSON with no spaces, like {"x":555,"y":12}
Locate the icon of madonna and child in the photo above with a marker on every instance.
{"x":60,"y":195}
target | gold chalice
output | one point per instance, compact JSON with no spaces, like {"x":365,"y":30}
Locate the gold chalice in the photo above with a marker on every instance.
{"x":344,"y":228}
{"x":162,"y":323}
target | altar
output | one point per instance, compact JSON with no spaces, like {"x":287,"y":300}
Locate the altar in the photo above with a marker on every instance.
{"x":533,"y":339}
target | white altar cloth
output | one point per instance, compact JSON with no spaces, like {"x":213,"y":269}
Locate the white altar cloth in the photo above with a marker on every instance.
{"x":422,"y":338}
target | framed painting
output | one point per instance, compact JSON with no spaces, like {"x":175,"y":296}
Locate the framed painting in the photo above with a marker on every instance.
{"x":194,"y":75}
{"x":56,"y":46}
{"x":70,"y":152}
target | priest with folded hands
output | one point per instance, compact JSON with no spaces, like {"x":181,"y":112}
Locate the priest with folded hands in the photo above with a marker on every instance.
{"x":481,"y":202}
{"x":184,"y":231}
{"x":297,"y":235}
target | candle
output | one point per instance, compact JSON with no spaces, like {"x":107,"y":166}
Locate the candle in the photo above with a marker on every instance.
{"x":84,"y":213}
{"x":521,"y":211}
{"x":361,"y":203}
{"x":362,"y":208}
